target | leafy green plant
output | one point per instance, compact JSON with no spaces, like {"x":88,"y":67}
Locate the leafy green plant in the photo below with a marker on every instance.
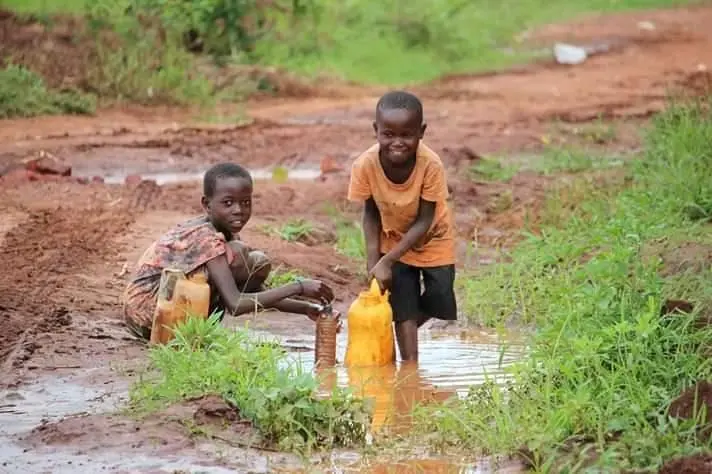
{"x":350,"y":241}
{"x":603,"y":363}
{"x":295,"y":229}
{"x":279,"y":277}
{"x":259,"y":378}
{"x":225,"y":28}
{"x":138,"y":60}
{"x":23,"y":94}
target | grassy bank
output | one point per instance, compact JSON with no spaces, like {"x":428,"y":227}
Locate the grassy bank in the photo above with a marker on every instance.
{"x":604,"y":363}
{"x":257,"y":377}
{"x":150,"y":51}
{"x":402,"y":42}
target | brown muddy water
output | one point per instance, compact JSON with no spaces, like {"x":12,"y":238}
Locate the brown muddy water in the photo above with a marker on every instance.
{"x":449,"y":364}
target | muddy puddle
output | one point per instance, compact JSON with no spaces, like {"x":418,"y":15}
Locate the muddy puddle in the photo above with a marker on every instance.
{"x":449,"y":364}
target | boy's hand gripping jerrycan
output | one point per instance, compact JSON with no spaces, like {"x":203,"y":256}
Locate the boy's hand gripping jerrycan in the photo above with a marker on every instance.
{"x":370,"y":330}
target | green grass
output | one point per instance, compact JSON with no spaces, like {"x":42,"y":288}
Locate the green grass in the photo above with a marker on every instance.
{"x":350,"y":241}
{"x":43,"y":7}
{"x":292,"y":230}
{"x":603,"y":364}
{"x":24,"y":94}
{"x":572,"y":160}
{"x":420,"y":40}
{"x":401,"y":42}
{"x":489,"y":169}
{"x":255,"y":375}
{"x":280,"y":277}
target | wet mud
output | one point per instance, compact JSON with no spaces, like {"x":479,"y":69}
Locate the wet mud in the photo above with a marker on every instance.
{"x":68,"y":247}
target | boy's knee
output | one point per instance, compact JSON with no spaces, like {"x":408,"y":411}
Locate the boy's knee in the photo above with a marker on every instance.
{"x":240,"y":251}
{"x":259,"y":265}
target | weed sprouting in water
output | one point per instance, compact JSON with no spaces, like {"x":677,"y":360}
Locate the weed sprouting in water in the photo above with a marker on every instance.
{"x":604,"y":364}
{"x":273,"y":392}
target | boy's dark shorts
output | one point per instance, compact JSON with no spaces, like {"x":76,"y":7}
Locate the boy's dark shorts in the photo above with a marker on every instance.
{"x":438,"y":299}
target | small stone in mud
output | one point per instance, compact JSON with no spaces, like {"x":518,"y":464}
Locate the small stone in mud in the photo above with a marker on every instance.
{"x":213,"y":408}
{"x":46,"y":163}
{"x":132,"y":180}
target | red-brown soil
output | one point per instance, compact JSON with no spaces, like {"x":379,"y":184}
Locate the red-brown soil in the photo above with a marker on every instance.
{"x":692,"y":403}
{"x":67,"y":248}
{"x":697,"y":464}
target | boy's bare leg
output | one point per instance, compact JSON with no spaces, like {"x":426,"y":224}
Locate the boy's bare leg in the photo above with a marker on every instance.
{"x":249,"y":268}
{"x":260,"y":268}
{"x":407,"y":336}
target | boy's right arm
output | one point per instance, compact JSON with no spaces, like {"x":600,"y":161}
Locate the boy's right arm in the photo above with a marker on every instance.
{"x":371,"y":223}
{"x":360,"y":191}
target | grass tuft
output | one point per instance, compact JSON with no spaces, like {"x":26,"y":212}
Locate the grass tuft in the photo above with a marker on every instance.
{"x":604,"y":364}
{"x":259,"y":378}
{"x":23,"y":94}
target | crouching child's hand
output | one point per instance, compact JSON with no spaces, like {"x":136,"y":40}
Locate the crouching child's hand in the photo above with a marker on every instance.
{"x":316,"y":309}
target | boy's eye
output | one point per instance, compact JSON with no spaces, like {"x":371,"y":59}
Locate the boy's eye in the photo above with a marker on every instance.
{"x":227,"y":203}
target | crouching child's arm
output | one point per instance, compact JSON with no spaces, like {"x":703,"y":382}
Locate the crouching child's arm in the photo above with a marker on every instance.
{"x":238,"y":303}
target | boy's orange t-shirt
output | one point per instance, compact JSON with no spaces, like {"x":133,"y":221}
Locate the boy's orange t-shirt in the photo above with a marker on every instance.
{"x":398,"y":205}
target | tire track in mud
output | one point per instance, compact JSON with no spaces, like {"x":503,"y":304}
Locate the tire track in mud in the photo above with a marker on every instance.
{"x":43,"y":254}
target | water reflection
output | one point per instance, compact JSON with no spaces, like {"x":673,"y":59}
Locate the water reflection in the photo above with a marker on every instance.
{"x":449,"y":365}
{"x":394,"y":391}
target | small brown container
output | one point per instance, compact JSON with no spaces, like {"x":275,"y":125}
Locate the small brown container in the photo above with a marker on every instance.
{"x":325,"y":346}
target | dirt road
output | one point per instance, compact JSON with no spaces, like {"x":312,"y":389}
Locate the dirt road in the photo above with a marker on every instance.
{"x":67,"y":248}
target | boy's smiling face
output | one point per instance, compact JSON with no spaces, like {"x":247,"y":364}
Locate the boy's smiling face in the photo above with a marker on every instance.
{"x":230,"y":206}
{"x":398,"y":132}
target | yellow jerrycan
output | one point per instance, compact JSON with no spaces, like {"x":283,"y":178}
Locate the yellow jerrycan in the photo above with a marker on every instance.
{"x":191,"y":297}
{"x":370,"y":330}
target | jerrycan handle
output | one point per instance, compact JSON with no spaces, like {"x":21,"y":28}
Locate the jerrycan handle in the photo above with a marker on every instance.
{"x":376,"y":291}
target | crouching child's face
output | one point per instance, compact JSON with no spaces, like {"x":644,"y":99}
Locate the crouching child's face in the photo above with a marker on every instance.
{"x":230,"y":206}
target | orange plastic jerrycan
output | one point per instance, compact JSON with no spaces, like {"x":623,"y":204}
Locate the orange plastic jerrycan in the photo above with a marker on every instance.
{"x":163,"y":313}
{"x":370,"y":330}
{"x":190,"y":298}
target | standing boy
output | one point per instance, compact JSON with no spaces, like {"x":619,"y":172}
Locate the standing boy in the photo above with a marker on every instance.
{"x":407,"y":222}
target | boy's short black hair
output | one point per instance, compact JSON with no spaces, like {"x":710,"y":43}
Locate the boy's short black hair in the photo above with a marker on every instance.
{"x":400,"y":100}
{"x":223,"y":170}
